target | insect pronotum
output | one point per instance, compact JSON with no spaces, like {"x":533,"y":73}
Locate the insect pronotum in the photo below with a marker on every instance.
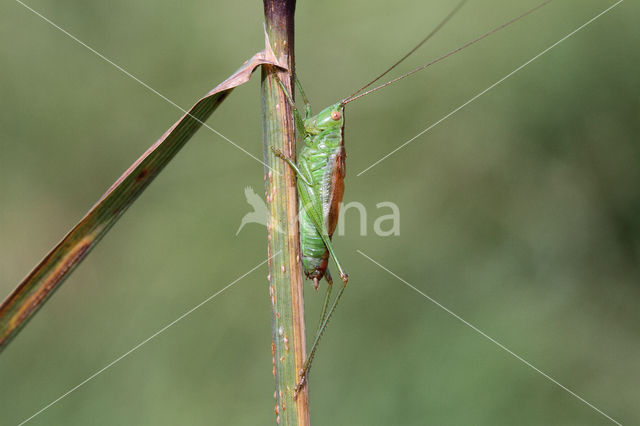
{"x":320,"y":172}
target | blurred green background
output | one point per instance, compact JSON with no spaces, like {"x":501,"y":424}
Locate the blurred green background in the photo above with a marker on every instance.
{"x":520,"y":213}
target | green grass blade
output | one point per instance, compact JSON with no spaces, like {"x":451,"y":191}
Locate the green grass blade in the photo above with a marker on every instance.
{"x":49,"y":274}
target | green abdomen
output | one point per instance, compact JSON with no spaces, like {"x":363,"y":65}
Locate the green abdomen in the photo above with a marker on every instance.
{"x":320,"y":158}
{"x":314,"y":253}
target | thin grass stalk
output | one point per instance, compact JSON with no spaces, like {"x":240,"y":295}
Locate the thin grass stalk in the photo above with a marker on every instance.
{"x":285,"y":274}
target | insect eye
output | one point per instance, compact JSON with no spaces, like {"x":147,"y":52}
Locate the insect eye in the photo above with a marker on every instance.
{"x":335,"y":115}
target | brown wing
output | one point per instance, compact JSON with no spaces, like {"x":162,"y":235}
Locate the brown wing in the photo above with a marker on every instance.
{"x":337,"y":189}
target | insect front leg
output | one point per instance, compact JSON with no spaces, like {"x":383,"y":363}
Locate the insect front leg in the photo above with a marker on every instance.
{"x":307,"y":104}
{"x":296,"y":114}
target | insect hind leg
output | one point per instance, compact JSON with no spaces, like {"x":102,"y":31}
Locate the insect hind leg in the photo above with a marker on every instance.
{"x":304,"y":372}
{"x":327,"y":298}
{"x":327,"y":242}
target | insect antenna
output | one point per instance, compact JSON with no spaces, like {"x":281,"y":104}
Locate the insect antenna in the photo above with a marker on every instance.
{"x":424,"y":40}
{"x":441,"y":58}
